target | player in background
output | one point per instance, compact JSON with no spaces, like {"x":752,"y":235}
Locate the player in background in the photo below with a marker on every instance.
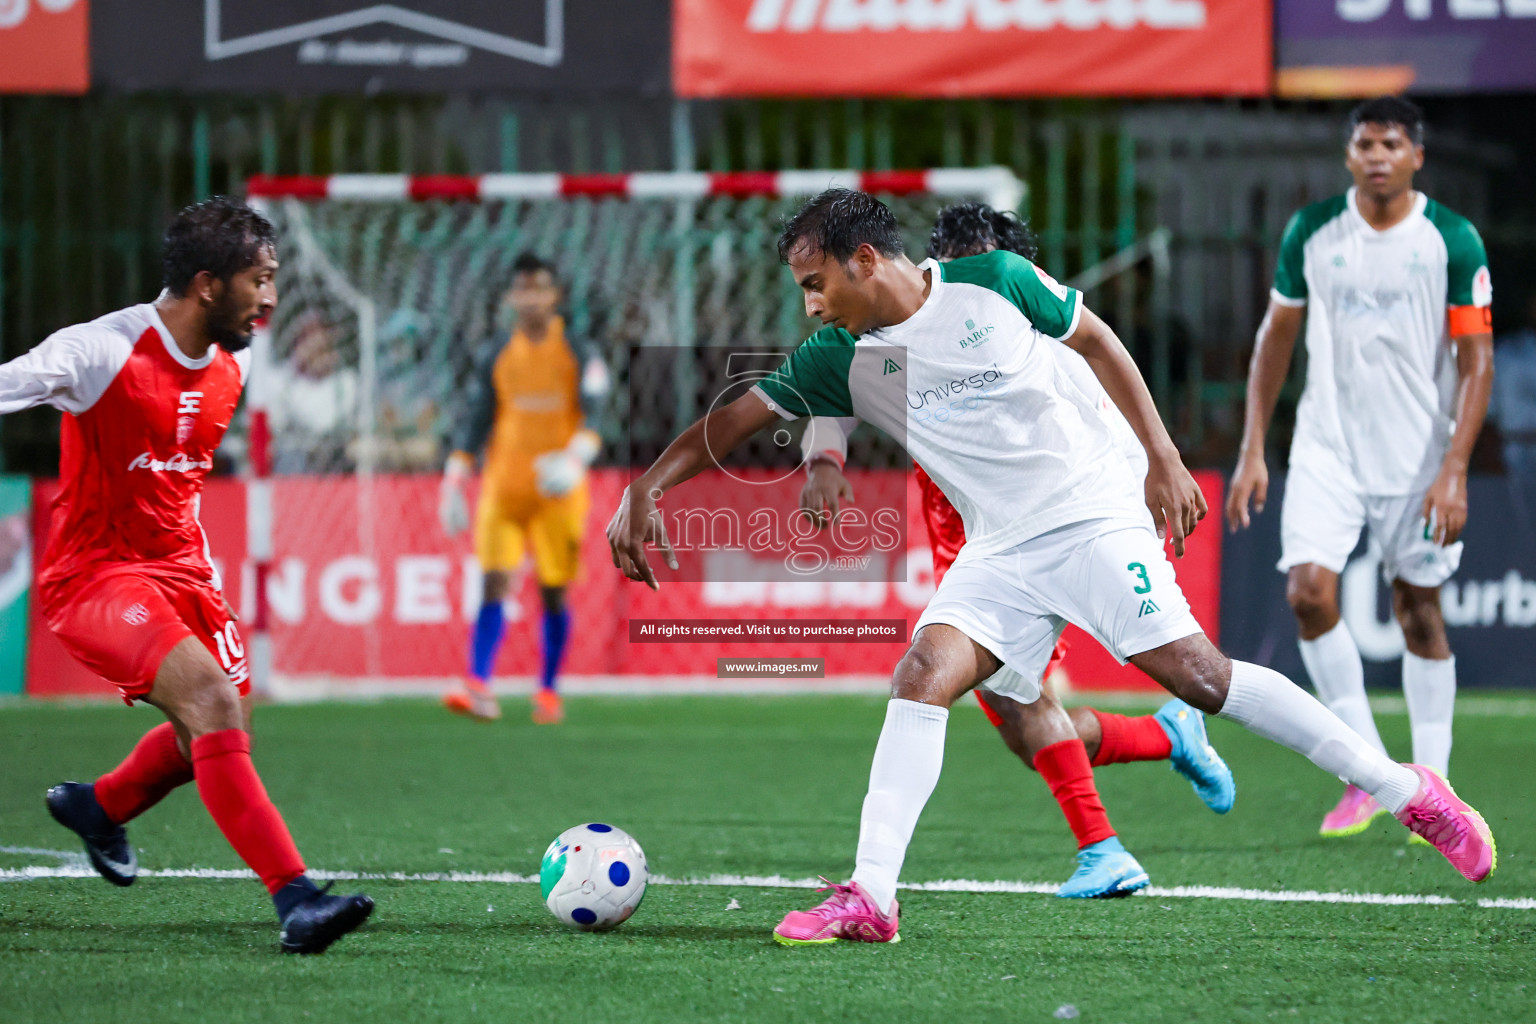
{"x":1062,"y":746}
{"x":1399,"y":370}
{"x":528,"y":408}
{"x":1057,"y":528}
{"x":126,"y":583}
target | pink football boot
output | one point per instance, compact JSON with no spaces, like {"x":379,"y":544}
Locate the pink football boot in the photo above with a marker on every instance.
{"x":848,"y":914}
{"x":1354,"y":813}
{"x":1451,"y":826}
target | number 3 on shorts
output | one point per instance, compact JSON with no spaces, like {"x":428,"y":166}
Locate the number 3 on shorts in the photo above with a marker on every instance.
{"x":1141,"y":574}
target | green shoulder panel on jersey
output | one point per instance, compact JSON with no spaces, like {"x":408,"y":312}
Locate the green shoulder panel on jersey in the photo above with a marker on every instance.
{"x":813,"y":381}
{"x":1465,"y":257}
{"x":1050,"y":307}
{"x":1290,"y":269}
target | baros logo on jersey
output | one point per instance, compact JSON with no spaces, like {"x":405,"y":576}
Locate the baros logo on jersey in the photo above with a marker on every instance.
{"x":977,"y":335}
{"x":970,"y":47}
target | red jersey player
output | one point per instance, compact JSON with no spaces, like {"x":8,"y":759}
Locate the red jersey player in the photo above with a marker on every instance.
{"x":126,"y":583}
{"x":1062,"y":746}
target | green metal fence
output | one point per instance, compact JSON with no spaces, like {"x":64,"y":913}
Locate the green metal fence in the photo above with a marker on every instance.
{"x":87,"y":184}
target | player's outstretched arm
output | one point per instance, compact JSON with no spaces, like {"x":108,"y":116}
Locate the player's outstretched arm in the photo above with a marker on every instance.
{"x":824,"y":446}
{"x":69,"y":370}
{"x":1445,"y":504}
{"x":1267,"y":370}
{"x":637,"y":521}
{"x":1174,"y":498}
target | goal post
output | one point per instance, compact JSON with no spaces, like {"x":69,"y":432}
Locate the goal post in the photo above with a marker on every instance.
{"x":387,"y":285}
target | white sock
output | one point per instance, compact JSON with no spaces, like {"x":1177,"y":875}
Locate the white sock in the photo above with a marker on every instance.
{"x":1272,"y":706}
{"x":901,"y":779}
{"x":1338,"y":675}
{"x":1430,"y":687}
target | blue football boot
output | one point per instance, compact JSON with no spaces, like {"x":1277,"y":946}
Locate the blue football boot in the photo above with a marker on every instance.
{"x":1104,"y":870}
{"x":1194,"y":758}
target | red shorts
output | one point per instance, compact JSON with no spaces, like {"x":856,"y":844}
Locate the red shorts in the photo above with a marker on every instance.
{"x":1057,"y":653}
{"x":122,"y":625}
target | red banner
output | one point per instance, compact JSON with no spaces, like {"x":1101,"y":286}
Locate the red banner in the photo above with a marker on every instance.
{"x":971,"y":47}
{"x":366,"y":587}
{"x":43,"y":46}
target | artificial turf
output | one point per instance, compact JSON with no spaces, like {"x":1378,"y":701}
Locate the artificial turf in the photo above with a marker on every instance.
{"x":751,"y":786}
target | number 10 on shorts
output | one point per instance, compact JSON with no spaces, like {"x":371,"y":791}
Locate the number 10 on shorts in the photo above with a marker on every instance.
{"x":232,"y":653}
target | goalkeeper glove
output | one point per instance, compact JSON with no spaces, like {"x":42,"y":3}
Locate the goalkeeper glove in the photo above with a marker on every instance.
{"x":452,"y":507}
{"x":560,"y":472}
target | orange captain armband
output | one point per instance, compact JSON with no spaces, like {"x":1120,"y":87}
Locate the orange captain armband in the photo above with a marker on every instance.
{"x":1471,"y":320}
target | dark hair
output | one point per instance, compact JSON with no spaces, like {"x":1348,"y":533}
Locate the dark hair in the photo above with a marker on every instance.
{"x":1390,"y":110}
{"x":532,"y":263}
{"x":966,"y":229}
{"x":220,"y":235}
{"x":837,"y":222}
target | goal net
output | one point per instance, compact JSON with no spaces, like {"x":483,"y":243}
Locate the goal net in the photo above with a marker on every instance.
{"x":390,"y":290}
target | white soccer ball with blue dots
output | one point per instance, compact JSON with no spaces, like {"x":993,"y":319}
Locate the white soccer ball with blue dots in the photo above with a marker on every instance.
{"x":593,"y":877}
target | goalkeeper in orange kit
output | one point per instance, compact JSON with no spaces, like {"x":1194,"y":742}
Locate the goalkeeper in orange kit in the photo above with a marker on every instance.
{"x":529,"y":403}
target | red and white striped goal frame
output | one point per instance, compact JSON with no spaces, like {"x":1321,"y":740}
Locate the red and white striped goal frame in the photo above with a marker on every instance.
{"x":997,"y":186}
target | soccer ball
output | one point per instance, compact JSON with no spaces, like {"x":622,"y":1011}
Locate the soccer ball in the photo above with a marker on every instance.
{"x":593,"y":877}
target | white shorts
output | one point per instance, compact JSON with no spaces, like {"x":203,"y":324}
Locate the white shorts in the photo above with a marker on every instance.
{"x":1110,"y":577}
{"x":1323,"y":512}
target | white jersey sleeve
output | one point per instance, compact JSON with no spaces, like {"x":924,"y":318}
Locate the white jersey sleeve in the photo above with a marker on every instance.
{"x":243,"y":364}
{"x":70,"y":370}
{"x":827,"y":435}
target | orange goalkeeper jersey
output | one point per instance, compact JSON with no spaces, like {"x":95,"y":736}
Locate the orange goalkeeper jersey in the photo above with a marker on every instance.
{"x":525,"y":401}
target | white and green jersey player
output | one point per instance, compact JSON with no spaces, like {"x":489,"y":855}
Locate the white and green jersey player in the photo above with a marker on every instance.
{"x":1056,"y":530}
{"x":974,"y":386}
{"x":971,"y":386}
{"x":1395,"y":292}
{"x":1384,"y":306}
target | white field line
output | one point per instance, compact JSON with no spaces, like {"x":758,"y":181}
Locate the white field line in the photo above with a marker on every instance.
{"x":67,"y":856}
{"x":1210,"y":892}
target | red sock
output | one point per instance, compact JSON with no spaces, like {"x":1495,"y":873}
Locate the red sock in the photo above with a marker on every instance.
{"x":1130,"y":739}
{"x":1064,"y":767}
{"x":233,"y":793}
{"x":986,"y":709}
{"x":152,"y":769}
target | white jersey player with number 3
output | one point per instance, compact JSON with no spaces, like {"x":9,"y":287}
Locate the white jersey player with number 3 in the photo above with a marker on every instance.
{"x":956,"y":361}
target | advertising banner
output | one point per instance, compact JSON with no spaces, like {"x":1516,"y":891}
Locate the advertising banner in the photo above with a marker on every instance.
{"x":1489,"y":605}
{"x":1360,"y":47}
{"x":971,"y":47}
{"x":44,"y":46}
{"x":366,"y":589}
{"x":348,"y":46}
